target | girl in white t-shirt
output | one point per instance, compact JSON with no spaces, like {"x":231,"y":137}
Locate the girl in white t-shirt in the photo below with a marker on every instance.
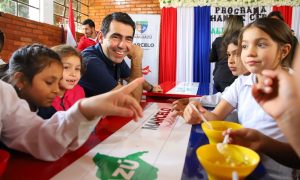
{"x":230,"y":48}
{"x":264,"y":44}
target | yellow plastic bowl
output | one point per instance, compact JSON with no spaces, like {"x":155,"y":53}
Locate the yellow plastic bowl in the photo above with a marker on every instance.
{"x":217,"y":167}
{"x":215,"y":135}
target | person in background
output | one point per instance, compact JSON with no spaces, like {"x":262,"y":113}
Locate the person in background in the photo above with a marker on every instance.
{"x":90,"y":35}
{"x":276,"y":15}
{"x":222,"y":74}
{"x":264,"y":44}
{"x":105,"y":64}
{"x":70,"y":91}
{"x":21,"y":129}
{"x":236,"y":67}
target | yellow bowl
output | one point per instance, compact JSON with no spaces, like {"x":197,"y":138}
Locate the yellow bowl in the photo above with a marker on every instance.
{"x":217,"y":166}
{"x":215,"y":135}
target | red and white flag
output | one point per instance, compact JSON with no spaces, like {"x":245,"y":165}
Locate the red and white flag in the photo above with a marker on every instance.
{"x":71,"y":35}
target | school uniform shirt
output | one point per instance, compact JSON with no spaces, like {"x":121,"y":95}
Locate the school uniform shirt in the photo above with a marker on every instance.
{"x":208,"y":100}
{"x":251,"y":115}
{"x":101,"y":75}
{"x":211,"y":101}
{"x":23,"y":130}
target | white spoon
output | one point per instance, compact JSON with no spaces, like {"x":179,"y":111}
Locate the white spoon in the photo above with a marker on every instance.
{"x":235,"y":175}
{"x":233,"y":156}
{"x":222,"y":146}
{"x":202,"y":117}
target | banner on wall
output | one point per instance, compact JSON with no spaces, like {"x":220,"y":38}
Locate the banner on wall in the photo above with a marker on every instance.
{"x":220,"y":14}
{"x":147,"y":36}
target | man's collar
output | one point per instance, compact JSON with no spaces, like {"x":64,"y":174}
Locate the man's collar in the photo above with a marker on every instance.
{"x":106,"y":59}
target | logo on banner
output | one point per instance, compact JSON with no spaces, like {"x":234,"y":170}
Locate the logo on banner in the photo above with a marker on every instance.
{"x":129,"y":167}
{"x":146,"y":70}
{"x":141,"y":26}
{"x":162,"y":116}
{"x":220,"y":14}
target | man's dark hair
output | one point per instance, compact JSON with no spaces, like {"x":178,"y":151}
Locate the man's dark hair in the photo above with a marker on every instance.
{"x":117,"y":16}
{"x":277,"y":14}
{"x":89,"y":22}
{"x":1,"y":40}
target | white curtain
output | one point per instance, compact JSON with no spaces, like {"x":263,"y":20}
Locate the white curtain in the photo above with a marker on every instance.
{"x":185,"y":44}
{"x":296,"y":21}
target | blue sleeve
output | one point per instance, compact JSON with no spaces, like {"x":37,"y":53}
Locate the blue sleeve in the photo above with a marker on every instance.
{"x":97,"y":78}
{"x":125,"y":70}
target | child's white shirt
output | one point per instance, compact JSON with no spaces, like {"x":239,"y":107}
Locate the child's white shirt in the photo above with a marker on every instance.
{"x":251,"y":115}
{"x":23,"y":130}
{"x":208,"y":100}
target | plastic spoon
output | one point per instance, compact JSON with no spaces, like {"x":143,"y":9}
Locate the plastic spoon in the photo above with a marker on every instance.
{"x":202,"y":117}
{"x":233,"y":156}
{"x":235,"y":175}
{"x":222,"y":146}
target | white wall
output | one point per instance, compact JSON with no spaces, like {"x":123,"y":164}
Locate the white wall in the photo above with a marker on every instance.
{"x":46,"y":11}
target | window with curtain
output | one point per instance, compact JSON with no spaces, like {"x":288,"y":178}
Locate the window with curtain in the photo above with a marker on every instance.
{"x":61,"y":12}
{"x":29,"y":9}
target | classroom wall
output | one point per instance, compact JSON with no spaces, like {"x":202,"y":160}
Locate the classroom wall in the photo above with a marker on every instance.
{"x":99,"y":9}
{"x":21,"y":31}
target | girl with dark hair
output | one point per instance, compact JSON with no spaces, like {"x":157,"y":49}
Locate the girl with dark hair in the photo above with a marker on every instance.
{"x":222,"y":75}
{"x":263,"y":44}
{"x":35,"y":72}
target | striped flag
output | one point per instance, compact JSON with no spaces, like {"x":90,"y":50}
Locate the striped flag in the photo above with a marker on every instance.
{"x":71,"y":36}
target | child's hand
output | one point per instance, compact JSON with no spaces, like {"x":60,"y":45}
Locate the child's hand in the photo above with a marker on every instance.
{"x":179,"y":105}
{"x":157,"y":88}
{"x":114,"y":103}
{"x":276,"y":93}
{"x":136,"y":52}
{"x":191,"y":116}
{"x":250,"y":138}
